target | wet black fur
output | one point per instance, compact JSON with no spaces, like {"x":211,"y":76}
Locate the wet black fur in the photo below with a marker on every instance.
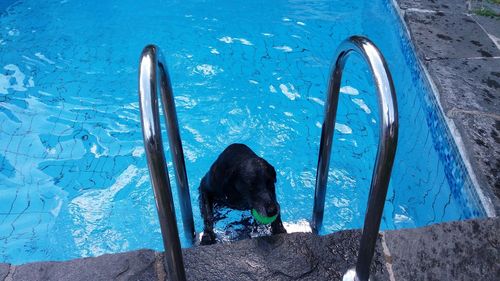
{"x":238,"y":179}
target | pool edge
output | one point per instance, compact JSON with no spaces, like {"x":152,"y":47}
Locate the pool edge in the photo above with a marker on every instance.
{"x":487,"y":197}
{"x":407,"y":254}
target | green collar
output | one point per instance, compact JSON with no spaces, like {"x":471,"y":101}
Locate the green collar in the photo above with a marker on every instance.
{"x":263,"y":219}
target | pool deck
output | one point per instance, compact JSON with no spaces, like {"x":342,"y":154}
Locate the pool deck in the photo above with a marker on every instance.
{"x":460,"y":53}
{"x":437,"y":252}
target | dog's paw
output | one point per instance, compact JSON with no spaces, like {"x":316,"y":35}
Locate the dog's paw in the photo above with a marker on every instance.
{"x":208,"y":238}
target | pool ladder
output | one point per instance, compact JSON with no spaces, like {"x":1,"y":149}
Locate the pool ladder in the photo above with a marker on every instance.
{"x":153,"y":68}
{"x":388,"y":113}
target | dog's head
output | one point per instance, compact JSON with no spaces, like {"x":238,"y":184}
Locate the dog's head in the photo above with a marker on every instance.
{"x":256,"y":183}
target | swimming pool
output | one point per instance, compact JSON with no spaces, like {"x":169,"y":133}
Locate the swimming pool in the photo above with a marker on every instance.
{"x":73,"y":174}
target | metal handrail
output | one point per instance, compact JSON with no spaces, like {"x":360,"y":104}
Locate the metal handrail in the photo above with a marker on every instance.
{"x":153,"y":68}
{"x":385,"y":154}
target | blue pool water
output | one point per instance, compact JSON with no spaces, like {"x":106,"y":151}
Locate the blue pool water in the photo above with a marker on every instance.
{"x":73,"y":175}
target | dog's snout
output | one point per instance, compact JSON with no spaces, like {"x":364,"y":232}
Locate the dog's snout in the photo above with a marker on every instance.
{"x":271,"y":210}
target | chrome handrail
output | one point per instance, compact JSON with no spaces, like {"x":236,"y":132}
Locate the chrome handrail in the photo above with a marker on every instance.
{"x":153,"y":68}
{"x":385,"y":154}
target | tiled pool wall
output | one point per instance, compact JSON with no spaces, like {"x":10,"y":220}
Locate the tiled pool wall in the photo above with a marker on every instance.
{"x":463,"y":188}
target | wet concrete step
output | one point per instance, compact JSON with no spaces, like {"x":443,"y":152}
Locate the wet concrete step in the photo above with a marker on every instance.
{"x":466,"y":250}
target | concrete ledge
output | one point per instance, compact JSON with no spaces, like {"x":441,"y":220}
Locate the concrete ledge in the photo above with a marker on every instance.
{"x":448,"y":35}
{"x":4,"y":270}
{"x":298,"y":256}
{"x":481,"y":135}
{"x":467,"y":84}
{"x":465,"y":250}
{"x":439,"y":5}
{"x":137,"y":265}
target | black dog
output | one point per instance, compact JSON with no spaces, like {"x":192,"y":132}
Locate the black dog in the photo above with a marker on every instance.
{"x":239,"y":179}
